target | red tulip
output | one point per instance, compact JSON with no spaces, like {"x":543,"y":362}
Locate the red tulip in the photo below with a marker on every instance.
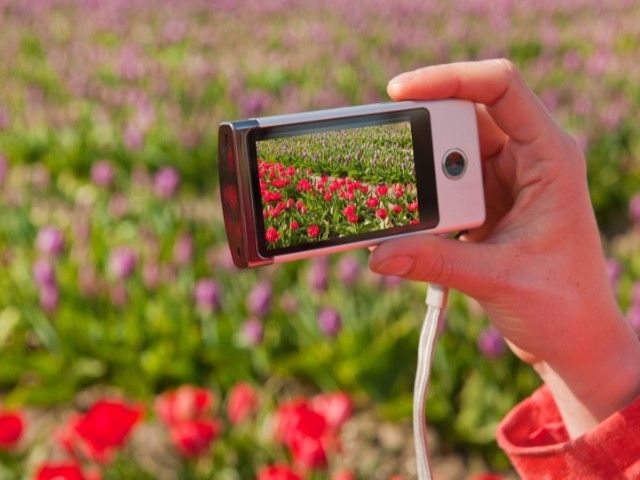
{"x":413,"y":206}
{"x":11,"y":429}
{"x":349,"y":210}
{"x":243,"y":402}
{"x":381,"y":213}
{"x":297,"y":418}
{"x":278,"y":472}
{"x":193,"y":437}
{"x":106,"y":426}
{"x":313,"y":230}
{"x":372,"y":202}
{"x":60,"y":471}
{"x":344,"y":475}
{"x":396,"y":208}
{"x":272,"y":235}
{"x":352,"y":218}
{"x":335,"y":407}
{"x":309,"y":452}
{"x":294,"y":225}
{"x":185,"y":403}
{"x":382,"y":189}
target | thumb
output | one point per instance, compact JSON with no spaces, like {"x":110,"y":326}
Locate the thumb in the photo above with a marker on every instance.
{"x":472,"y":268}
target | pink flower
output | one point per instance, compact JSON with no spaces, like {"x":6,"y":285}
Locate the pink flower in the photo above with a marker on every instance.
{"x":50,"y":241}
{"x":102,"y":173}
{"x":382,"y":189}
{"x":396,"y":208}
{"x":242,"y":403}
{"x":272,"y":235}
{"x":166,"y":182}
{"x":372,"y":202}
{"x":294,"y":225}
{"x":313,"y":230}
{"x":381,"y":213}
{"x":413,"y":206}
{"x":207,"y":295}
{"x":122,"y":262}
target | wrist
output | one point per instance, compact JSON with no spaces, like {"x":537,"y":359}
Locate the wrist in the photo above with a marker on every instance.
{"x":595,"y":382}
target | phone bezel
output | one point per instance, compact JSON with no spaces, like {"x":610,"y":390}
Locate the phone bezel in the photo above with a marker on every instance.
{"x":420,"y":122}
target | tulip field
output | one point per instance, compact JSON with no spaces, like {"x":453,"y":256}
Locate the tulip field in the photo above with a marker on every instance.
{"x":132,"y":348}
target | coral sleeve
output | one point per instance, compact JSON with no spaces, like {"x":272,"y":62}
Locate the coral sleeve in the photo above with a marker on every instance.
{"x":535,"y":439}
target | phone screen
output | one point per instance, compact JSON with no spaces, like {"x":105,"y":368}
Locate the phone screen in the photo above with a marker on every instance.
{"x":325,"y":183}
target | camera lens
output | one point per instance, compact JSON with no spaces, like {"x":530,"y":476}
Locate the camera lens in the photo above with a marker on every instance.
{"x":454,"y":164}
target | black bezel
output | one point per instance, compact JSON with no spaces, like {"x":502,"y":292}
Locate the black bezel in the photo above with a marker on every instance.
{"x":419,"y":120}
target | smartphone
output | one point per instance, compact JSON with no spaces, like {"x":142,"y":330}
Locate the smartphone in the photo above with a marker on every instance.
{"x":313,"y":183}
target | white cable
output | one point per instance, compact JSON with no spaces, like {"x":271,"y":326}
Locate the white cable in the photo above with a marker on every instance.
{"x":436,"y":301}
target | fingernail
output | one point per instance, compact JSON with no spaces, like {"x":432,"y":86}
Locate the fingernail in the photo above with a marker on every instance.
{"x":394,"y":265}
{"x":403,"y":77}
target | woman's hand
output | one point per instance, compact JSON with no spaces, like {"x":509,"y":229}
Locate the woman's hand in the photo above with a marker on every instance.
{"x":536,"y":266}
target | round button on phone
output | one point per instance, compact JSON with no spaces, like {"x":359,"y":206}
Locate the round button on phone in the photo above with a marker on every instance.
{"x":454,"y":163}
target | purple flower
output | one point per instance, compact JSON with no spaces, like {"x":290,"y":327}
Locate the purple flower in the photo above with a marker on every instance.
{"x":252,"y":332}
{"x":319,"y":274}
{"x":4,"y":168}
{"x":119,"y":295}
{"x":50,"y":241}
{"x":88,"y":281}
{"x":151,"y":274}
{"x":122,"y":262}
{"x":348,"y":270}
{"x":491,"y":344}
{"x":165,"y":182}
{"x":289,"y":303}
{"x":118,"y":205}
{"x":102,"y":173}
{"x":259,"y":301}
{"x":4,"y":118}
{"x":44,"y":273}
{"x":133,"y":137}
{"x":254,"y":103}
{"x":633,"y":317}
{"x":183,"y":249}
{"x":329,"y":322}
{"x":207,"y":295}
{"x":635,"y":294}
{"x":614,"y":272}
{"x":634,"y":208}
{"x":49,"y":298}
{"x":391,"y":281}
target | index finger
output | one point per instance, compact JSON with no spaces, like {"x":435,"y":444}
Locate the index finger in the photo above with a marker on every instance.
{"x":495,"y":83}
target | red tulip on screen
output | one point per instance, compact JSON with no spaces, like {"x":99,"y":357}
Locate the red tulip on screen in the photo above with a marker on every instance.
{"x":11,"y":429}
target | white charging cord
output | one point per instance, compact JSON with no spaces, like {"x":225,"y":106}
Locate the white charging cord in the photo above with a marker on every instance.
{"x":436,"y":301}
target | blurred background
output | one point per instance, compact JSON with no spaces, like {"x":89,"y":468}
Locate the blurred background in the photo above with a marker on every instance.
{"x":116,"y":286}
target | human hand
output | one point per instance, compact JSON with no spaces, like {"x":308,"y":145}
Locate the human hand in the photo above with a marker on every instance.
{"x":536,"y":266}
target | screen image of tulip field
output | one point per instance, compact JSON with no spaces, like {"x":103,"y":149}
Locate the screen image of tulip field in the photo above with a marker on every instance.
{"x":336,"y":183}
